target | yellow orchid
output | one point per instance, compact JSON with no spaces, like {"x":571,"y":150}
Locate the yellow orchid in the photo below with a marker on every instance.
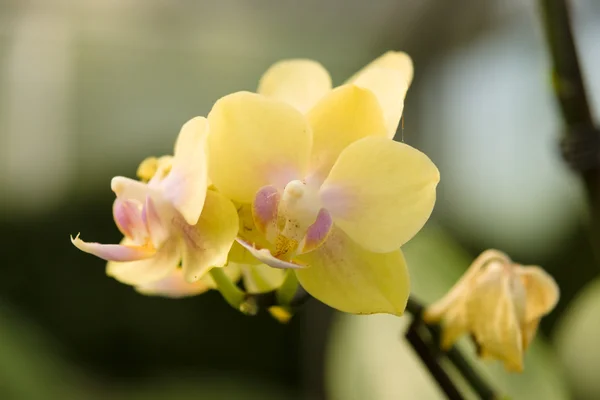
{"x":170,"y":219}
{"x":500,"y":303}
{"x":324,"y":189}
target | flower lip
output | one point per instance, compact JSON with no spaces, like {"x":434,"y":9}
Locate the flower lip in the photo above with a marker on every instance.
{"x":266,"y":257}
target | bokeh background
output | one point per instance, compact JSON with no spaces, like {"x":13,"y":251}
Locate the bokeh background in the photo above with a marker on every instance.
{"x":89,"y":88}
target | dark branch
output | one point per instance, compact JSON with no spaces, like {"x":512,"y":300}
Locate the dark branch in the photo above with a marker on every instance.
{"x":430,"y":361}
{"x":428,"y":351}
{"x":581,"y":143}
{"x":454,"y":355}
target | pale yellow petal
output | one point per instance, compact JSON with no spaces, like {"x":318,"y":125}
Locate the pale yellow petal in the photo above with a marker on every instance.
{"x":455,"y":298}
{"x":389,"y":78}
{"x":541,"y":290}
{"x":207,"y":244}
{"x":130,"y":189}
{"x":381,"y":192}
{"x":345,"y":115}
{"x":254,"y":142}
{"x":389,"y":86}
{"x":455,"y":324}
{"x":396,"y":60}
{"x":494,"y":317}
{"x":185,"y":186}
{"x":349,"y":278}
{"x":299,"y":82}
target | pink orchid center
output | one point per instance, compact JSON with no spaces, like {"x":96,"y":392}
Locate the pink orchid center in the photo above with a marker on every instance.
{"x":294,"y":221}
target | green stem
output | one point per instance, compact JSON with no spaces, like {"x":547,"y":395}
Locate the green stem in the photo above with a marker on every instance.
{"x":236,"y":297}
{"x":454,"y":355}
{"x":286,"y":292}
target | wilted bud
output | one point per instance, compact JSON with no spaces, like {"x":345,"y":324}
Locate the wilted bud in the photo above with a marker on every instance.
{"x":499,"y":303}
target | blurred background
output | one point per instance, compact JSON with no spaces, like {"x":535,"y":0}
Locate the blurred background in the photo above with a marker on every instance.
{"x":89,"y":88}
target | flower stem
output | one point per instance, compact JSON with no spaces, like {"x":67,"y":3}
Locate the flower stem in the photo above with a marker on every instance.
{"x":286,"y":292}
{"x":429,"y":360}
{"x":580,"y":144}
{"x":236,"y":297}
{"x":454,"y":355}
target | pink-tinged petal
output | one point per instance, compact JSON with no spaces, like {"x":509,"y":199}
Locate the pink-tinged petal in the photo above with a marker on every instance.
{"x":264,"y":209}
{"x":149,"y":270}
{"x":156,"y":227}
{"x":175,"y":286}
{"x":130,"y":189}
{"x":128,"y":217}
{"x":114,"y":252}
{"x":266,"y":257}
{"x":185,"y":186}
{"x":380,"y":192}
{"x":318,"y":232}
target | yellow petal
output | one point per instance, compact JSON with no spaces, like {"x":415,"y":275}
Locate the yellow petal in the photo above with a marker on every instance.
{"x":207,"y":243}
{"x":175,"y":286}
{"x":541,"y":290}
{"x":494,"y":315}
{"x":130,"y":189}
{"x":390,"y":89}
{"x":144,"y":271}
{"x":300,"y":83}
{"x":349,"y":278}
{"x":454,"y":326}
{"x":185,"y":186}
{"x":255,"y":142}
{"x":455,"y":298}
{"x":389,"y":78}
{"x":261,"y":278}
{"x":396,"y":60}
{"x":381,"y":192}
{"x":345,"y":115}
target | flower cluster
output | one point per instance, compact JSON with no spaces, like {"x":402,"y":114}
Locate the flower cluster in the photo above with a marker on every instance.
{"x":299,"y":176}
{"x":500,"y":304}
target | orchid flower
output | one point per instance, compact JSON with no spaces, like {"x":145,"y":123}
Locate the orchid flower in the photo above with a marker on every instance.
{"x":323,"y":188}
{"x":170,"y":220}
{"x":500,"y":303}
